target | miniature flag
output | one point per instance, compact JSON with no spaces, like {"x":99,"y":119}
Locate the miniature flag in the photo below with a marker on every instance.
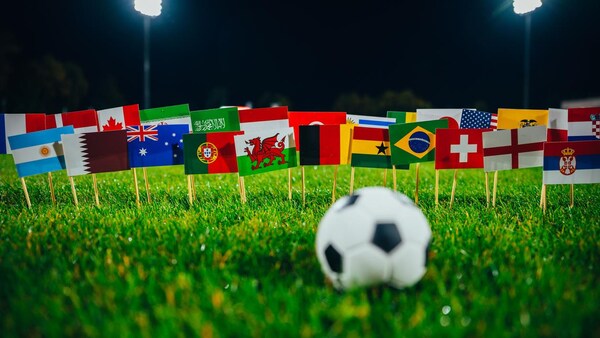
{"x":178,"y":114}
{"x":212,"y":120}
{"x":513,"y":148}
{"x":572,"y":162}
{"x":584,"y":124}
{"x":557,"y":125}
{"x":39,"y":152}
{"x":459,"y":148}
{"x":267,"y":150}
{"x":84,"y":121}
{"x":521,"y":118}
{"x":414,"y":142}
{"x":452,"y":115}
{"x":323,"y":145}
{"x":119,"y":117}
{"x":93,"y":153}
{"x":475,"y":119}
{"x":369,"y":121}
{"x":17,"y":124}
{"x":261,"y":119}
{"x":210,"y":153}
{"x":305,"y":118}
{"x":370,"y":148}
{"x":402,"y":116}
{"x":156,"y":145}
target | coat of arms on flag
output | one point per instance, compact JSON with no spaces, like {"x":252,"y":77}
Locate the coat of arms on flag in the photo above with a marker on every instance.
{"x":573,"y":162}
{"x":583,"y":124}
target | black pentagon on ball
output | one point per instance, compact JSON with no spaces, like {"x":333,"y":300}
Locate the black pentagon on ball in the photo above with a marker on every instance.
{"x":334,"y":259}
{"x":351,"y":200}
{"x":386,"y":236}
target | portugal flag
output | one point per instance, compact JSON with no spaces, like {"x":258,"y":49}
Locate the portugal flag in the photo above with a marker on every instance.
{"x":323,"y":145}
{"x":210,"y":153}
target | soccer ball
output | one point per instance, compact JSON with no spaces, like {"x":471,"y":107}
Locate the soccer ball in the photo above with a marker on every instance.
{"x":375,"y":236}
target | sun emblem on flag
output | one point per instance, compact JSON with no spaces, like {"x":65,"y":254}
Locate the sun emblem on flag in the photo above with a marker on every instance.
{"x":44,"y":151}
{"x":567,"y":162}
{"x":207,"y":153}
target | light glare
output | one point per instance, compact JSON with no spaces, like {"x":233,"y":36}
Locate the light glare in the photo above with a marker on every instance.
{"x":526,"y":6}
{"x":148,"y":7}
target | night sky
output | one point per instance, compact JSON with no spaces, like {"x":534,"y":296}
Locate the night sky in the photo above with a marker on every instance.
{"x":451,"y":53}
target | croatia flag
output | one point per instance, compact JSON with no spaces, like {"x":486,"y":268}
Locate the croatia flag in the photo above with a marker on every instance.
{"x":16,"y":124}
{"x":584,"y":124}
{"x":84,"y":121}
{"x":513,"y":148}
{"x":572,"y":162}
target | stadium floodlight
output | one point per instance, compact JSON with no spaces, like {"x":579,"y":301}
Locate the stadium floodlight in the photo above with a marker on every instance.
{"x":526,"y":6}
{"x":148,"y":7}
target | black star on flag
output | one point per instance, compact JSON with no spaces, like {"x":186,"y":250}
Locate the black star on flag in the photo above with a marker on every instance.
{"x":381,"y":149}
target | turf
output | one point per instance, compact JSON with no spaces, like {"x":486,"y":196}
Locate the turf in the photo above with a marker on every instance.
{"x":222,"y":269}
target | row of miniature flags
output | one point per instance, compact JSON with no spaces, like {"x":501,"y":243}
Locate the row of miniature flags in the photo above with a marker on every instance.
{"x":268,"y":142}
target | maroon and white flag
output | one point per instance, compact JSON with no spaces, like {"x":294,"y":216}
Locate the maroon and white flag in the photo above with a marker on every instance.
{"x":513,"y":148}
{"x":92,"y":153}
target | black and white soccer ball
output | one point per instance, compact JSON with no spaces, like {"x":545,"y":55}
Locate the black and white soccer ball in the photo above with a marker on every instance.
{"x":375,"y":236}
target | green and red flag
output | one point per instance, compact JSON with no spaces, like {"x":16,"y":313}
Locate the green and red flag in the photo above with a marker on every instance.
{"x":210,"y":153}
{"x":214,"y":120}
{"x":178,"y":114}
{"x":414,"y":142}
{"x":309,"y":118}
{"x":370,"y":148}
{"x":262,"y":151}
{"x":323,"y":145}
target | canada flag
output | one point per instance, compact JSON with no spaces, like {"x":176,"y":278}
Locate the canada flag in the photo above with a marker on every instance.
{"x":119,"y":118}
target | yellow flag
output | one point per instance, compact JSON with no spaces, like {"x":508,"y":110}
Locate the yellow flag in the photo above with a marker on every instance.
{"x":519,"y":118}
{"x":411,"y":117}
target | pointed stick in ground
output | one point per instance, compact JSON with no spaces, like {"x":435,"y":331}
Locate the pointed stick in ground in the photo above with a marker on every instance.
{"x":51,"y":188}
{"x":572,"y":195}
{"x":137,"y":188}
{"x":352,"y":180}
{"x":394,"y":178}
{"x":95,"y":183}
{"x":544,"y":204}
{"x":193,"y":180}
{"x":453,"y":188}
{"x":495,"y":189}
{"x":335,"y":170}
{"x":384,"y":177}
{"x":542,"y":195}
{"x":290,"y":183}
{"x":437,"y":187}
{"x":242,"y":189}
{"x":74,"y":191}
{"x":417,"y":184}
{"x":189,"y":185}
{"x":26,"y":192}
{"x":147,"y":185}
{"x":487,"y":191}
{"x":303,"y":188}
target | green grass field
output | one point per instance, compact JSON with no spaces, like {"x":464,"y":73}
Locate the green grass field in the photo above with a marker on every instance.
{"x":223,"y":269}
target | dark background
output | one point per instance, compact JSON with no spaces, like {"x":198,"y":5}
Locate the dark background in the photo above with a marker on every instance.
{"x":310,"y":55}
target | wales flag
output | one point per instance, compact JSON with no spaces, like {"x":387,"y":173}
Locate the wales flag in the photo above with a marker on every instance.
{"x":261,"y":151}
{"x":414,"y":142}
{"x":210,"y":153}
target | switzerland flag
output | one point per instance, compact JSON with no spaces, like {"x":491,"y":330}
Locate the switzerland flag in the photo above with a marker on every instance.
{"x":459,"y":148}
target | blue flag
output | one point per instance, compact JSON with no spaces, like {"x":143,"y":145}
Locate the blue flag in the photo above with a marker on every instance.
{"x":155,"y":145}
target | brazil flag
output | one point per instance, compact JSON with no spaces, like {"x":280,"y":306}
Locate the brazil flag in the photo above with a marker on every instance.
{"x":414,"y":142}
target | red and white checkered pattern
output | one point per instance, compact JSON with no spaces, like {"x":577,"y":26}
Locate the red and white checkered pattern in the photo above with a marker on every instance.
{"x":596,"y":128}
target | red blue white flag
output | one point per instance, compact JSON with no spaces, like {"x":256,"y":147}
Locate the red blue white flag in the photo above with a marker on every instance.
{"x":584,"y":124}
{"x":17,"y":124}
{"x":573,"y":162}
{"x":84,"y":121}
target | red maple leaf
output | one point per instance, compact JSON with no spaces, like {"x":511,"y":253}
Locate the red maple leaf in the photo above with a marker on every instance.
{"x":112,"y":125}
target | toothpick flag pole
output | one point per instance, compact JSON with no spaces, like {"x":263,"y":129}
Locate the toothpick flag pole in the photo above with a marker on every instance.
{"x":189,"y":185}
{"x":26,"y":192}
{"x":487,"y":191}
{"x":242,"y":189}
{"x":544,"y":204}
{"x":193,"y":183}
{"x":437,"y":186}
{"x":384,"y":177}
{"x":95,"y":182}
{"x":495,"y":188}
{"x":290,"y":182}
{"x":542,"y":192}
{"x":303,"y":188}
{"x":352,"y":180}
{"x":335,"y":170}
{"x":137,"y":188}
{"x":453,"y":188}
{"x":73,"y":191}
{"x":147,"y":185}
{"x":572,"y":195}
{"x":417,"y":184}
{"x":51,"y":188}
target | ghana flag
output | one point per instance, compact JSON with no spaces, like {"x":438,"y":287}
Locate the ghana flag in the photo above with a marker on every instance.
{"x":210,"y":153}
{"x":323,"y":145}
{"x":414,"y":142}
{"x":371,"y":148}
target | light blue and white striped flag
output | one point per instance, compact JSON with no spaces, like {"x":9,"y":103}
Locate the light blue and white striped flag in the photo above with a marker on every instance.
{"x":370,"y":121}
{"x":39,"y":152}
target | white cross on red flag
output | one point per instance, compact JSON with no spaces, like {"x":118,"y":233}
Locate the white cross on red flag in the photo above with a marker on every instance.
{"x":459,"y":148}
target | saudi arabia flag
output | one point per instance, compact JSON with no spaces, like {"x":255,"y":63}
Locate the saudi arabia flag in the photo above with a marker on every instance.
{"x":261,"y":151}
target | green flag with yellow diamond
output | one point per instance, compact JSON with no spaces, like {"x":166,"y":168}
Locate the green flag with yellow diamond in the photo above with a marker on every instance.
{"x":414,"y":142}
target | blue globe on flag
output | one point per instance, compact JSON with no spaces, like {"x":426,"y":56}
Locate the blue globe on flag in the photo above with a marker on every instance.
{"x":419,"y":142}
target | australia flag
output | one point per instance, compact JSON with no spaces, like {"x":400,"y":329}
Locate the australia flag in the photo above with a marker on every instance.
{"x":155,"y":145}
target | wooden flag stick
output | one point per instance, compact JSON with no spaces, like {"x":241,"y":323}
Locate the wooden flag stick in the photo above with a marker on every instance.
{"x":189,"y":184}
{"x":437,"y":186}
{"x":244,"y":199}
{"x":352,"y":180}
{"x":147,"y":185}
{"x":26,"y":192}
{"x":394,"y":178}
{"x":384,"y":177}
{"x":572,"y":195}
{"x":51,"y":188}
{"x":335,"y":171}
{"x":453,"y":188}
{"x":544,"y":204}
{"x":74,"y":191}
{"x":494,"y":189}
{"x":542,"y":195}
{"x":193,"y":185}
{"x":240,"y":186}
{"x":303,"y":188}
{"x":95,"y":183}
{"x":487,"y":191}
{"x":417,"y":184}
{"x":137,"y":188}
{"x":290,"y":182}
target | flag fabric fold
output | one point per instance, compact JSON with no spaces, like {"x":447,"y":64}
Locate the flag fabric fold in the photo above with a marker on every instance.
{"x":118,"y":118}
{"x":93,"y":153}
{"x":459,"y":148}
{"x":513,"y":148}
{"x":215,"y":120}
{"x":210,"y":153}
{"x":267,"y":150}
{"x":573,"y":162}
{"x":17,"y":124}
{"x":39,"y":152}
{"x":156,"y":145}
